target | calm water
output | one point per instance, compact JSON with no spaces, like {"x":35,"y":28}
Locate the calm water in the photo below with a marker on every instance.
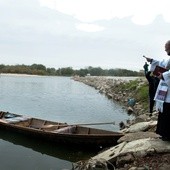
{"x":52,"y":98}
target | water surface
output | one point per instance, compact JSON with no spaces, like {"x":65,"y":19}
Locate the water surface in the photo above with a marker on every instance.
{"x":53,"y":98}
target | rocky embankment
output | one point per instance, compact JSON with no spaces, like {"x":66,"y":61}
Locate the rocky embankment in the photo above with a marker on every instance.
{"x":140,"y":148}
{"x":112,"y":88}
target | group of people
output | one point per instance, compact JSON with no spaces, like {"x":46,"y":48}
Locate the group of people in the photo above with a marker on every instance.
{"x":159,"y":92}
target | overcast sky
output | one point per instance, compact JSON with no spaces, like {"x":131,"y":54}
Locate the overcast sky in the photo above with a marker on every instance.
{"x":82,"y":33}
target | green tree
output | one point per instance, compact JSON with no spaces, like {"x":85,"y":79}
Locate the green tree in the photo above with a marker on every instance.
{"x":38,"y":67}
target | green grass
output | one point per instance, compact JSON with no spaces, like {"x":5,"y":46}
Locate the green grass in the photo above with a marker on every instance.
{"x":142,"y":96}
{"x":137,"y":90}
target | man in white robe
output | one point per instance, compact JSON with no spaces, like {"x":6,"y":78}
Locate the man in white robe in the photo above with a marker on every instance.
{"x":162,"y":96}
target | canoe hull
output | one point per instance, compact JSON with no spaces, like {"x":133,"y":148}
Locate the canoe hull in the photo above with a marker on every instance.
{"x":99,"y":139}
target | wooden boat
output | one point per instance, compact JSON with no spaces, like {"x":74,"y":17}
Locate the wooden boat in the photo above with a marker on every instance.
{"x":60,"y":133}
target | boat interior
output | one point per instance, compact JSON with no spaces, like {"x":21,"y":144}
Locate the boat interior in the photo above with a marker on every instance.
{"x":49,"y":126}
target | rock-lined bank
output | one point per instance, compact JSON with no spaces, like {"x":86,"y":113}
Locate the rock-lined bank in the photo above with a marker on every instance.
{"x":140,"y":148}
{"x":112,"y":88}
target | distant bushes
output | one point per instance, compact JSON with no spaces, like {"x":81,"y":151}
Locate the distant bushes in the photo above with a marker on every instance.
{"x":39,"y":69}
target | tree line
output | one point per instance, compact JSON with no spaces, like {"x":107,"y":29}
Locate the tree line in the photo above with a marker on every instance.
{"x":39,"y":69}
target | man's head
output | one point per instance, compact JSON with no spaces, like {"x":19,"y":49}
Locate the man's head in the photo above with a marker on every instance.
{"x":167,"y":47}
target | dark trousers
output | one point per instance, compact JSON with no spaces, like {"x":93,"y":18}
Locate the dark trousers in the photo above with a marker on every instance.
{"x":163,"y":125}
{"x":153,"y":84}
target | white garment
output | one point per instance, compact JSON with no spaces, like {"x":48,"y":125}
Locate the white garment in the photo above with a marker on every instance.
{"x":163,"y":63}
{"x":164,"y":85}
{"x":160,"y":95}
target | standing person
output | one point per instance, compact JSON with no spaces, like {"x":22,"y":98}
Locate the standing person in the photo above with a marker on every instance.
{"x":146,"y":65}
{"x":153,"y":84}
{"x":162,"y":96}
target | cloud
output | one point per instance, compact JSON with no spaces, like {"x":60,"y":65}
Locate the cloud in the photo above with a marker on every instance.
{"x":68,"y":32}
{"x":89,"y":27}
{"x":142,"y":12}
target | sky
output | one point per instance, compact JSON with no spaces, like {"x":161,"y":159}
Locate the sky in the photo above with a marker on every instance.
{"x":81,"y":33}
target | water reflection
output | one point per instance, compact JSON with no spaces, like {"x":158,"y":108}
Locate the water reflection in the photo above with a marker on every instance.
{"x":21,"y":152}
{"x":67,"y":153}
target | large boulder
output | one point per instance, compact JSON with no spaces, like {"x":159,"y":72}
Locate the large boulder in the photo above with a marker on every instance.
{"x":127,"y":151}
{"x":141,"y":126}
{"x":128,"y":137}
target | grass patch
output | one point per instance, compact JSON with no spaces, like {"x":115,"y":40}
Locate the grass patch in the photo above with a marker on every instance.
{"x":137,"y":90}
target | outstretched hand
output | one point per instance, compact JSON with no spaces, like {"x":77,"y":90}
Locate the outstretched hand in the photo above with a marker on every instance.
{"x":147,"y":59}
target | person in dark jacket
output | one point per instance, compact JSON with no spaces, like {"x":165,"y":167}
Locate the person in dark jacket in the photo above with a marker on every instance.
{"x":153,"y":84}
{"x":146,"y":68}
